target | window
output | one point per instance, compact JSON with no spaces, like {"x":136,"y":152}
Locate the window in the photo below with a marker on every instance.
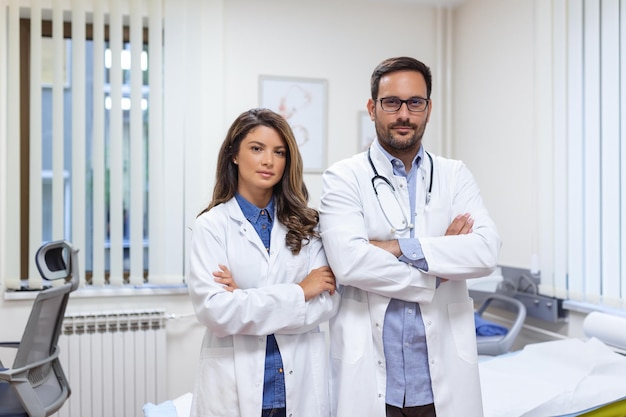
{"x":588,"y":224}
{"x":87,"y":163}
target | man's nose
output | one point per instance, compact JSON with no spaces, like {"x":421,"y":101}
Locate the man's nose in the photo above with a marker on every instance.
{"x":404,"y":109}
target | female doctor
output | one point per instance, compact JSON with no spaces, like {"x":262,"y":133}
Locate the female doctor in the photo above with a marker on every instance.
{"x":259,"y":280}
{"x":403,"y":230}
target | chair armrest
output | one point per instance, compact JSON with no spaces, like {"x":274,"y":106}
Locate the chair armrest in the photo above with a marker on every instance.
{"x":21,"y":374}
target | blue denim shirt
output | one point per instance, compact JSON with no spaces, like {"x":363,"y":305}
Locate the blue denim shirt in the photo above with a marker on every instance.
{"x":274,"y":379}
{"x":404,"y":335}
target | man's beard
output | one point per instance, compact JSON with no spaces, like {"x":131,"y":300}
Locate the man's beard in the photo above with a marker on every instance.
{"x":385,"y":137}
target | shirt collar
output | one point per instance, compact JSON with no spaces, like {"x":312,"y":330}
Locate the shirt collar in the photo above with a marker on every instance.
{"x":397,"y":164}
{"x":252,"y":212}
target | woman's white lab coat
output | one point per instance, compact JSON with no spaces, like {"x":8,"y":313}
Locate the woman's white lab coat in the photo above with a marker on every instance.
{"x":269,"y":301}
{"x":351,"y":216}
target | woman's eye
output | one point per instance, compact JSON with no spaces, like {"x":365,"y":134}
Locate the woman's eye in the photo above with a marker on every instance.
{"x":280,"y":153}
{"x":256,"y":148}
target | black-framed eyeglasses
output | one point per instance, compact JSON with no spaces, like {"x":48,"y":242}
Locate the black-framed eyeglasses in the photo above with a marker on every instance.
{"x":414,"y":104}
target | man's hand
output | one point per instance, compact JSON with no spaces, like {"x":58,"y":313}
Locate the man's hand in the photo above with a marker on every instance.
{"x":461,"y":225}
{"x":391,"y":246}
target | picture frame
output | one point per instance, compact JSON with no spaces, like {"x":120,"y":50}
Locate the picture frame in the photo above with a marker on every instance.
{"x":303,"y":102}
{"x":367,"y":131}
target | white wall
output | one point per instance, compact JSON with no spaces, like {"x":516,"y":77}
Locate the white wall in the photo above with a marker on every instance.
{"x":493,"y":116}
{"x":338,"y":41}
{"x":230,"y":43}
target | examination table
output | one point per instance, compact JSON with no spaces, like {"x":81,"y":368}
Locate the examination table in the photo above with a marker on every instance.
{"x":564,"y":378}
{"x":570,"y":377}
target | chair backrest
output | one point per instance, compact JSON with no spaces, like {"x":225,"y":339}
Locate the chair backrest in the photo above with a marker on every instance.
{"x":44,"y":326}
{"x":55,"y":260}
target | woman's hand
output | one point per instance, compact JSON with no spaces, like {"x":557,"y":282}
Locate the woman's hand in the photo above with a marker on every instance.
{"x":225,"y":278}
{"x":319,"y":280}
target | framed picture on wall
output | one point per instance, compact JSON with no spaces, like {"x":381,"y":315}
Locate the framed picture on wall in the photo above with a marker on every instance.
{"x":367,"y":131}
{"x":303,"y":102}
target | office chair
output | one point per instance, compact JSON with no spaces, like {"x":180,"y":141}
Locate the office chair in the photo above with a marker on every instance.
{"x":36,"y":385}
{"x":499,"y":344}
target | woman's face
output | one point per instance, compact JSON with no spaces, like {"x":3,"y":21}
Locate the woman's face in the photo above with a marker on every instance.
{"x":261,"y":162}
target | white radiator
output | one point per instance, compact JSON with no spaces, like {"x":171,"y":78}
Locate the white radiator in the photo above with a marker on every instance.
{"x":115,"y":362}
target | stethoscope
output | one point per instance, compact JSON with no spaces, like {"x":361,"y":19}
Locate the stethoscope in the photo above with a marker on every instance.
{"x":382,"y":180}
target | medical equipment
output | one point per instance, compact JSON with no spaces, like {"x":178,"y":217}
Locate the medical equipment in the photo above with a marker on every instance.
{"x":384,"y":181}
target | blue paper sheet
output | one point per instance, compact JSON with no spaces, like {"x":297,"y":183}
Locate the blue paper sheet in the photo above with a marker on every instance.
{"x":487,"y":328}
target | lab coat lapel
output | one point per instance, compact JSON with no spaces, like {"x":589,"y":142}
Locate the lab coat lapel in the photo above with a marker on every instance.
{"x":245,"y":227}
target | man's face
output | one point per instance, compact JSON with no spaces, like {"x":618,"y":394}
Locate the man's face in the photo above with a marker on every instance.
{"x":400,"y":131}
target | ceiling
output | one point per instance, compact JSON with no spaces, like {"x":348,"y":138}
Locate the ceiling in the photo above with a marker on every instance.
{"x":442,"y":3}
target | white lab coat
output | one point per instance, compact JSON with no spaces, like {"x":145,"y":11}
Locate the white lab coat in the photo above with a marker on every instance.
{"x":350,"y":216}
{"x":269,"y":301}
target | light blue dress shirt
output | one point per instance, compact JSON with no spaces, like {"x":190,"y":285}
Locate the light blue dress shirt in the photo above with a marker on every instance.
{"x":274,"y":378}
{"x":404,"y":336}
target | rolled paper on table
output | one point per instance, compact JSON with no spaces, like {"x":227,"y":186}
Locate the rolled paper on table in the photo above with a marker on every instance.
{"x":608,"y":328}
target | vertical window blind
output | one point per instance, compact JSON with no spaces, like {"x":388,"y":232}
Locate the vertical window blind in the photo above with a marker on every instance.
{"x":84,"y":159}
{"x":589,"y":158}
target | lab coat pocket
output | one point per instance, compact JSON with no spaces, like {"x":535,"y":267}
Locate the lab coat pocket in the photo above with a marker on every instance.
{"x":352,"y":322}
{"x":461,"y":317}
{"x":216,"y":380}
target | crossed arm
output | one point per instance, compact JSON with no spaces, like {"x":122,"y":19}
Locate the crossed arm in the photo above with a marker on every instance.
{"x":461,"y":225}
{"x":316,"y":282}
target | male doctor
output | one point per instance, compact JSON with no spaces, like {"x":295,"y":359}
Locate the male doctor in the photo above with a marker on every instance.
{"x":403,"y":230}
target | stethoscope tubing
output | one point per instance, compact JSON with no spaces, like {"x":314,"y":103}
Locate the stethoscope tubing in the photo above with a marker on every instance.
{"x":383,"y":178}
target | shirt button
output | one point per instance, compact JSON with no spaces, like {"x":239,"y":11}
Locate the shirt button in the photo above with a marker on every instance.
{"x":410,"y":311}
{"x":429,"y":322}
{"x":414,"y":255}
{"x":280,"y":370}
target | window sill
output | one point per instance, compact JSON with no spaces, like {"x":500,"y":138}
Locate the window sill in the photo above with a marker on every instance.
{"x":97,"y":292}
{"x":582,"y":307}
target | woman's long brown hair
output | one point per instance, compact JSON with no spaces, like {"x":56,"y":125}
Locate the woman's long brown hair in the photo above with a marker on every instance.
{"x":290,"y":193}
